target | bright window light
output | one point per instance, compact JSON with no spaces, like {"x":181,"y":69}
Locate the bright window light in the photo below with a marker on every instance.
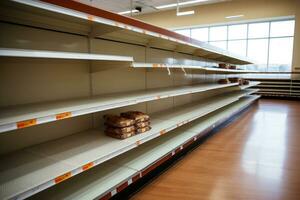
{"x":180,"y":4}
{"x":200,"y":34}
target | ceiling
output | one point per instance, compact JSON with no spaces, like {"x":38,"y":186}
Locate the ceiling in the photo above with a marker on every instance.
{"x":148,"y":6}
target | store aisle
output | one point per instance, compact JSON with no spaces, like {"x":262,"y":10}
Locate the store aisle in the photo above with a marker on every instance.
{"x":255,"y":157}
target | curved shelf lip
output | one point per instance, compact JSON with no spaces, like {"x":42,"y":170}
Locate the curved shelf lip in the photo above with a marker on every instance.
{"x":83,"y":11}
{"x":29,"y":53}
{"x":21,"y":117}
{"x":59,"y":155}
{"x":251,"y":84}
{"x":209,"y":69}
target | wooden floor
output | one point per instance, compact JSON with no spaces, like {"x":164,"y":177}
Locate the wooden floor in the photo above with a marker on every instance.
{"x":256,"y":157}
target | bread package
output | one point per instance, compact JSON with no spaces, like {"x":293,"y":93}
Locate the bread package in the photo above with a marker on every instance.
{"x":117,"y":121}
{"x":234,"y":80}
{"x":245,"y":82}
{"x":142,"y":130}
{"x":142,"y":124}
{"x":223,"y":65}
{"x":114,"y":130}
{"x":136,"y":115}
{"x":121,"y":136}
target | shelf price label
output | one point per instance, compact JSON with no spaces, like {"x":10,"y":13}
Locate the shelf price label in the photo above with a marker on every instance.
{"x":90,"y":18}
{"x":87,"y":166}
{"x":63,"y":177}
{"x":162,"y":132}
{"x":63,"y":115}
{"x":26,"y":123}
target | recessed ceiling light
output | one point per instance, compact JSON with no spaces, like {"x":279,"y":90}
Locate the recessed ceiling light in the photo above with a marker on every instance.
{"x":234,"y":16}
{"x":180,"y":4}
{"x":128,"y":12}
{"x":191,"y":12}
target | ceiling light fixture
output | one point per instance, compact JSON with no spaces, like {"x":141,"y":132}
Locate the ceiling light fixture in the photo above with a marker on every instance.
{"x":191,"y":12}
{"x":234,"y":16}
{"x":178,"y":13}
{"x":128,"y":12}
{"x":180,"y":4}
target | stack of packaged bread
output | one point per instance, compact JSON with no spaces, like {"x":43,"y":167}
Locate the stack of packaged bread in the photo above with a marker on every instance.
{"x":227,"y":66}
{"x":240,"y":81}
{"x":127,"y":124}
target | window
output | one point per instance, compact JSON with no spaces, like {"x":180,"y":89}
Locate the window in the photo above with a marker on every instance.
{"x":282,"y":28}
{"x":258,"y":50}
{"x":186,"y":32}
{"x":237,"y":32}
{"x":220,"y":44}
{"x":218,"y":33}
{"x":280,"y":58}
{"x":258,"y":30}
{"x":268,"y":43}
{"x":238,"y":47}
{"x":200,"y":34}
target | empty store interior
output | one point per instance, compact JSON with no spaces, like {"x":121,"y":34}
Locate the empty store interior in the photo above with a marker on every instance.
{"x":149,"y":99}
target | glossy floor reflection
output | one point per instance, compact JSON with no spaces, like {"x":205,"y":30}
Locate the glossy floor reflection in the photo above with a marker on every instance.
{"x":256,"y":157}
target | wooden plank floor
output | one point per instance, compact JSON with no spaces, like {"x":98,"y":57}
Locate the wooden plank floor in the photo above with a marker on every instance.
{"x":255,"y":157}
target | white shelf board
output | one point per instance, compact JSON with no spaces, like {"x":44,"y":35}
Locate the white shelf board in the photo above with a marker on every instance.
{"x":251,"y":84}
{"x":278,"y":86}
{"x":95,"y":182}
{"x":278,"y":93}
{"x":10,"y":117}
{"x":278,"y":90}
{"x":28,"y":53}
{"x":120,"y":31}
{"x":70,"y":154}
{"x":89,"y":185}
{"x":251,"y":91}
{"x":145,"y":155}
{"x":227,"y":71}
{"x":177,"y":66}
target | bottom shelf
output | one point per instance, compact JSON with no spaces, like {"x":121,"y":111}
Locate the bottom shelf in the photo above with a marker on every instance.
{"x":109,"y":178}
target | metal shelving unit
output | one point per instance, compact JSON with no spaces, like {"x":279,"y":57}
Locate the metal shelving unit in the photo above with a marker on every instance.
{"x":50,"y":163}
{"x":118,"y":28}
{"x":202,"y":68}
{"x":113,"y":176}
{"x":251,"y":84}
{"x":18,"y":117}
{"x":281,"y":88}
{"x":29,"y":53}
{"x":57,"y":162}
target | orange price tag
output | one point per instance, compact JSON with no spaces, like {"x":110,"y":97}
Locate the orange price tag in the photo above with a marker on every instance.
{"x":63,"y":115}
{"x":155,"y":65}
{"x":63,"y":177}
{"x":144,"y":32}
{"x":138,"y":142}
{"x":90,"y":17}
{"x":27,"y":123}
{"x":162,"y":132}
{"x":87,"y":166}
